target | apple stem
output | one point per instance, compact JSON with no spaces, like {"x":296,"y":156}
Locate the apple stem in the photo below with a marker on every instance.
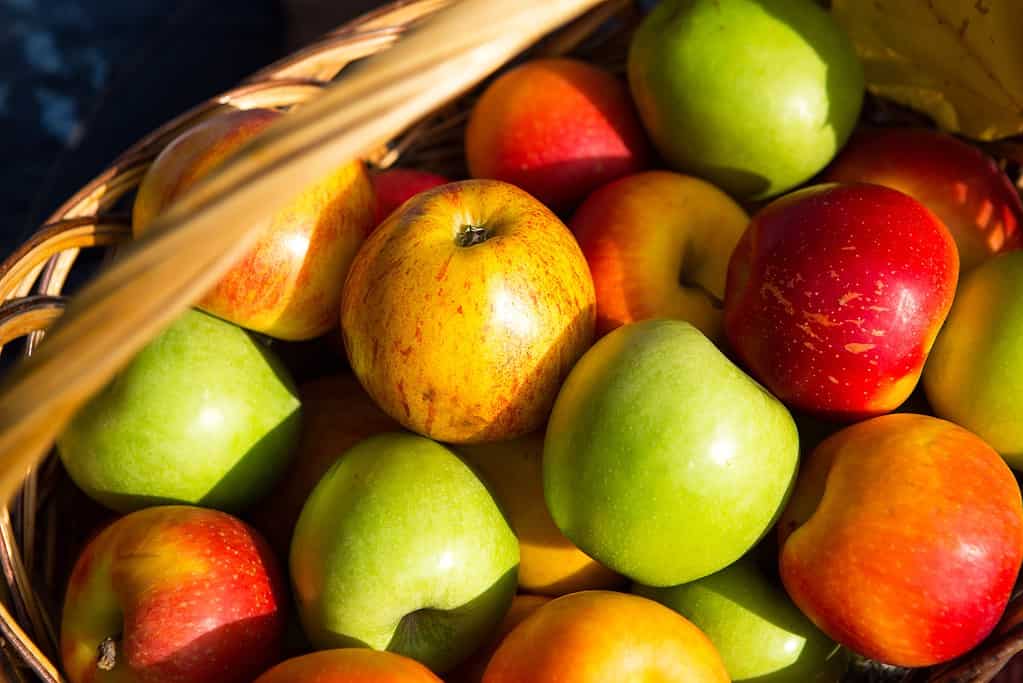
{"x":470,"y":235}
{"x":107,"y":654}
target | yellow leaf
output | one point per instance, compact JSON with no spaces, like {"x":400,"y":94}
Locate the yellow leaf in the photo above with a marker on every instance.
{"x":959,"y":61}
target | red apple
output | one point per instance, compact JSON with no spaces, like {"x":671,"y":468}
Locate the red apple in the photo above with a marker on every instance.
{"x":349,"y":665}
{"x":958,"y":182}
{"x":658,"y":245}
{"x":557,"y":128}
{"x":395,"y":186}
{"x":289,"y":283}
{"x":336,"y":414}
{"x":903,"y":539}
{"x":465,"y":310}
{"x":173,"y":594}
{"x":835,"y":294}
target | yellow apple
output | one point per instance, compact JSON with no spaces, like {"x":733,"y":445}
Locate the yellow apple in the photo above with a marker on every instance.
{"x":464,"y":311}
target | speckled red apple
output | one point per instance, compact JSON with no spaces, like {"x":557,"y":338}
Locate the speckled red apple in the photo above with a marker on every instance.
{"x":835,"y":294}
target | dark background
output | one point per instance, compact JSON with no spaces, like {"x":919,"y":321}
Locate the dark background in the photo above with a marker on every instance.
{"x":81,"y":80}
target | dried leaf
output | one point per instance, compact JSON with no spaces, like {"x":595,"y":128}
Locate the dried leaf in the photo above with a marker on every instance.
{"x":960,"y":61}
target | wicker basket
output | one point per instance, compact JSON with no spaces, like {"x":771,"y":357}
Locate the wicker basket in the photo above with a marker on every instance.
{"x":46,"y":522}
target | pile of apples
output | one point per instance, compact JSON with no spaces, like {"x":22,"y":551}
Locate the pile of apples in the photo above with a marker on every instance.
{"x":582,"y":381}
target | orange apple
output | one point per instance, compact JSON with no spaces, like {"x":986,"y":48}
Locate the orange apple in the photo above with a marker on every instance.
{"x":465,"y":310}
{"x":903,"y":539}
{"x":658,"y":245}
{"x":557,"y":128}
{"x":605,"y":636}
{"x":959,"y":183}
{"x":349,"y":665}
{"x":336,"y":414}
{"x":472,"y":669}
{"x":289,"y":283}
{"x":549,"y":563}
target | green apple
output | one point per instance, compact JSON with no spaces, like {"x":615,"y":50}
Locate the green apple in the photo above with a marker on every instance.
{"x":754,"y":95}
{"x":757,"y":630}
{"x":974,"y":375}
{"x":663,"y":460}
{"x":401,"y":547}
{"x":203,"y":415}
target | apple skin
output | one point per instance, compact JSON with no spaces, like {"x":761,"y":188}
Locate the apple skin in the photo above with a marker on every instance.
{"x":974,"y":376}
{"x":549,"y":563}
{"x":472,"y":669}
{"x":204,"y":415}
{"x":658,"y":246}
{"x":759,"y":633}
{"x":349,"y":665}
{"x":468,"y":343}
{"x":605,"y":636}
{"x":336,"y":414}
{"x":557,"y":128}
{"x":288,"y":285}
{"x":190,"y":595}
{"x":903,"y":539}
{"x":755,"y":109}
{"x":959,"y":183}
{"x":835,"y":294}
{"x":396,"y":186}
{"x":663,"y":460}
{"x":401,"y":547}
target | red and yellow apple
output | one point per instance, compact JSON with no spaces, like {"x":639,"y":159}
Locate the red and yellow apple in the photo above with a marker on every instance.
{"x":557,"y":128}
{"x":959,"y":183}
{"x":173,"y":594}
{"x":835,"y":294}
{"x":658,"y":245}
{"x":472,"y":669}
{"x":336,"y":414}
{"x":396,"y":186}
{"x":605,"y":636}
{"x":349,"y":665}
{"x":903,"y":539}
{"x":288,"y":285}
{"x":464,"y":311}
{"x":549,"y":563}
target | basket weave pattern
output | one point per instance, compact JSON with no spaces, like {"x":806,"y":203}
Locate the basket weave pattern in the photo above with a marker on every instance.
{"x":37,"y":534}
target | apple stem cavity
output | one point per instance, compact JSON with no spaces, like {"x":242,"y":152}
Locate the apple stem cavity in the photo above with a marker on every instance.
{"x":107,"y":654}
{"x":471,"y":235}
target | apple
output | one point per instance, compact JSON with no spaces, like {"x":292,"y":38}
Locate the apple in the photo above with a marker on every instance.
{"x":401,"y":547}
{"x":336,"y":414}
{"x":396,"y":186}
{"x":658,"y":245}
{"x":349,"y":665}
{"x":465,"y":310}
{"x":974,"y":376}
{"x":472,"y":669}
{"x":173,"y":594}
{"x":549,"y":564}
{"x":605,"y":636}
{"x":204,"y":415}
{"x":663,"y":460}
{"x":759,"y":633}
{"x":754,"y":96}
{"x":288,"y":285}
{"x":903,"y":539}
{"x":835,"y":294}
{"x":558,"y":128}
{"x":969,"y":193}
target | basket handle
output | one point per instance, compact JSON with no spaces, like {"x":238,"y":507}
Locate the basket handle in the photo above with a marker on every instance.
{"x":195,"y":242}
